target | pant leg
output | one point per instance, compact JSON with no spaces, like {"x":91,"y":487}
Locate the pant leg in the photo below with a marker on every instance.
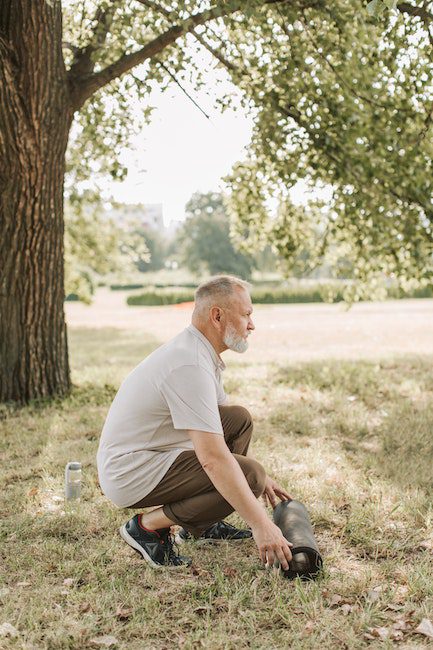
{"x":187,"y":493}
{"x":197,"y":513}
{"x":189,"y":496}
{"x":238,"y":428}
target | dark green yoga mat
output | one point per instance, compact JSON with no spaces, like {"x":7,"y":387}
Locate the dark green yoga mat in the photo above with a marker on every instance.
{"x":293,"y":520}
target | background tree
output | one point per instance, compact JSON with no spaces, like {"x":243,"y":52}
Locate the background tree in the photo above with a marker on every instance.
{"x":345,"y":102}
{"x":111,"y":51}
{"x":95,"y":245}
{"x":157,"y":247}
{"x":204,"y":239}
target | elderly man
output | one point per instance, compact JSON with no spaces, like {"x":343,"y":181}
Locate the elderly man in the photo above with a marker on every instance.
{"x":170,"y":440}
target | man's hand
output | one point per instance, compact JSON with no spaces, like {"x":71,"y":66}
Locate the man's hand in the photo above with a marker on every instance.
{"x":273,"y":546}
{"x":273,"y":492}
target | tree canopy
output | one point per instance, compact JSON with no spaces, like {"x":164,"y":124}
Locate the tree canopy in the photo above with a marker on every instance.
{"x":342,"y":98}
{"x":204,"y":238}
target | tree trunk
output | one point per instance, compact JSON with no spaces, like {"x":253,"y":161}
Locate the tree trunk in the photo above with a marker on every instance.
{"x":35,"y":118}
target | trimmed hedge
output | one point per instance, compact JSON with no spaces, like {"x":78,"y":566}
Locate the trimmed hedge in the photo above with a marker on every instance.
{"x":130,"y":287}
{"x":301,"y":294}
{"x":159,"y":297}
{"x":260,"y":296}
{"x":294,"y":295}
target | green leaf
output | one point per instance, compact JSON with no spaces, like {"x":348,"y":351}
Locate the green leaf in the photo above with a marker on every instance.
{"x":375,"y":7}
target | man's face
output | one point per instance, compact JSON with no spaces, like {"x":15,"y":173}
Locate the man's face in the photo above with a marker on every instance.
{"x":238,"y":321}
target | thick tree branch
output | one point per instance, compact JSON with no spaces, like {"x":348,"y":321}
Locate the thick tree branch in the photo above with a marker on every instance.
{"x":413,"y":10}
{"x":420,"y":12}
{"x":83,"y":63}
{"x":81,"y":88}
{"x":215,"y":53}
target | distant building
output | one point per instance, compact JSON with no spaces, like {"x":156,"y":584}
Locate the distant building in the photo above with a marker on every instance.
{"x":149,"y":215}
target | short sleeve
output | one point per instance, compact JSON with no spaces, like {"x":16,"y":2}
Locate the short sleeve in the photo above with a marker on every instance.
{"x":191,"y":395}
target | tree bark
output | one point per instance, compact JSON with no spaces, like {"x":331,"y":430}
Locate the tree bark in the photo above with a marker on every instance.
{"x":35,"y":118}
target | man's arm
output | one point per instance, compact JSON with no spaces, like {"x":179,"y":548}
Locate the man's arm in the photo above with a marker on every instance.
{"x":226,"y":475}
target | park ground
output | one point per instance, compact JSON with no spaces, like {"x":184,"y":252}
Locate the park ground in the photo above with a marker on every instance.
{"x":343,"y":407}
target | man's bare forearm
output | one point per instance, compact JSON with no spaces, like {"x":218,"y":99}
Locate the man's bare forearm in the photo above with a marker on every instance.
{"x":226,"y":475}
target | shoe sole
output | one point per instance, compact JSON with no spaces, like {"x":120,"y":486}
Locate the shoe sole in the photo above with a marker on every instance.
{"x":204,"y":542}
{"x":136,"y":546}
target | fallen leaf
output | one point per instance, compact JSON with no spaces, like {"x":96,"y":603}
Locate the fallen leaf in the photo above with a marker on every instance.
{"x":198,"y":571}
{"x":426,"y":545}
{"x":32,"y":492}
{"x":346,"y":608}
{"x":335,"y":600}
{"x":374,"y":594}
{"x":400,"y":623}
{"x":425,"y":628}
{"x":93,"y":530}
{"x":381,"y":632}
{"x":84,"y":607}
{"x":401,"y":593}
{"x":394,"y":607}
{"x":4,"y":591}
{"x":202,"y":611}
{"x":6,"y":629}
{"x":309,"y":627}
{"x":220,"y":604}
{"x":230,"y":572}
{"x":68,"y":582}
{"x":124,"y":613}
{"x":104,"y":641}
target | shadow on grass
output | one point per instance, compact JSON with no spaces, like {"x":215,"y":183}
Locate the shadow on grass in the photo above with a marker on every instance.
{"x":380,"y":412}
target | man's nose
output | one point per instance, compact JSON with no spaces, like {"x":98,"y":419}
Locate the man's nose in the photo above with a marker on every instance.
{"x":251,"y":325}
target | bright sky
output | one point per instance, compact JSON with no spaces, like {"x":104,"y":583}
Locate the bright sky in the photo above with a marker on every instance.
{"x":182,"y":152}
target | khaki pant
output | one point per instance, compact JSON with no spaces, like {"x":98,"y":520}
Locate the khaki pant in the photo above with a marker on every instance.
{"x":187,"y":494}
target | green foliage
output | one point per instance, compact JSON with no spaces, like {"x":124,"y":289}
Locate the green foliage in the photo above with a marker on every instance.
{"x":343,"y":101}
{"x":157,"y":248}
{"x":296,"y":293}
{"x":204,"y":239}
{"x":341,"y":96}
{"x":96,"y":246}
{"x":161,"y":297}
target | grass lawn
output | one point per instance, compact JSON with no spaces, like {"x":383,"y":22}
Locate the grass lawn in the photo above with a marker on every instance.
{"x":351,"y":439}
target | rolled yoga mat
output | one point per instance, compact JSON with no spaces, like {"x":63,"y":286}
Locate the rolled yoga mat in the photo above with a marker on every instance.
{"x":293,"y":520}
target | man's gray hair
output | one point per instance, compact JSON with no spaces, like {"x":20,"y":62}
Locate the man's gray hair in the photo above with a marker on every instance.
{"x":219,"y":287}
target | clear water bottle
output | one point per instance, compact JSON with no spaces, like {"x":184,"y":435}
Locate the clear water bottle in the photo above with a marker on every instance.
{"x":72,"y":481}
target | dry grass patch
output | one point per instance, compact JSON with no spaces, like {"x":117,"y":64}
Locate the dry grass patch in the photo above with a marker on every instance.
{"x":351,"y":440}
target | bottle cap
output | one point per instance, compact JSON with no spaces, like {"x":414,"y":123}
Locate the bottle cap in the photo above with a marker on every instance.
{"x":74,"y":465}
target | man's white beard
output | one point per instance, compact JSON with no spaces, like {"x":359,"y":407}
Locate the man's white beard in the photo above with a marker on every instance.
{"x":234,"y":341}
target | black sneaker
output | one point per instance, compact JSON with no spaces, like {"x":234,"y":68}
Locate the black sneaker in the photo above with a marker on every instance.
{"x":219,"y":532}
{"x":155,"y":547}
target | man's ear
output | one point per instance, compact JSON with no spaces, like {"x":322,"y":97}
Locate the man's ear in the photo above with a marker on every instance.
{"x":216,"y":316}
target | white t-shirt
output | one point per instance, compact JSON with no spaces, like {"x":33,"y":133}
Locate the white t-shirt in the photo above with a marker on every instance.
{"x":176,"y":388}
